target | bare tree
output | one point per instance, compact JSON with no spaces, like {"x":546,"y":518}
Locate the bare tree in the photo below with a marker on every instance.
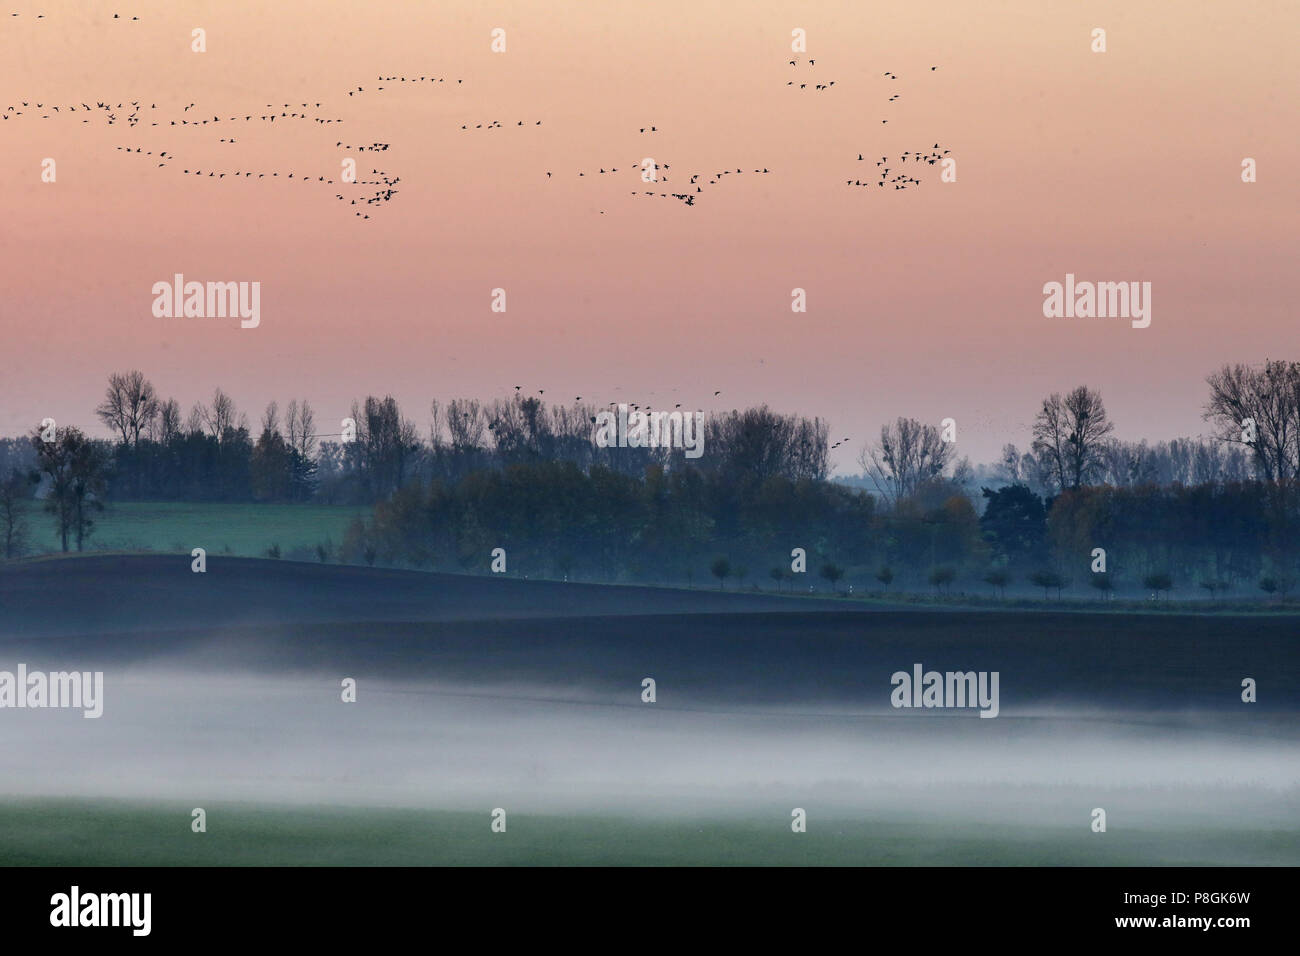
{"x":166,"y":425}
{"x":76,"y":468}
{"x":760,"y":443}
{"x":271,"y":418}
{"x":1217,"y":462}
{"x":1070,"y":434}
{"x":908,"y":454}
{"x":519,"y":429}
{"x":130,"y":405}
{"x":300,"y":421}
{"x":386,"y":444}
{"x":1129,"y":465}
{"x":1260,"y":408}
{"x":810,"y":448}
{"x":572,"y":428}
{"x":222,"y":416}
{"x":1179,"y":461}
{"x":1008,"y":467}
{"x":466,"y":423}
{"x":435,"y":426}
{"x":14,"y":490}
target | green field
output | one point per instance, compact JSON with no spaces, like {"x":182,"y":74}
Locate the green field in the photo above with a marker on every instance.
{"x":249,"y":530}
{"x":245,"y":530}
{"x":112,"y":833}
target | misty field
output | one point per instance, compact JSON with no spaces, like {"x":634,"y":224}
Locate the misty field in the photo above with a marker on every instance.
{"x":222,"y":691}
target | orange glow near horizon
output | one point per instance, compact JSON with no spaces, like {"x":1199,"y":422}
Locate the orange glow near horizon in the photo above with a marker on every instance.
{"x":925,"y":302}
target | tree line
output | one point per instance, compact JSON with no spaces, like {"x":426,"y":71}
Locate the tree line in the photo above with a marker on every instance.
{"x":524,"y":475}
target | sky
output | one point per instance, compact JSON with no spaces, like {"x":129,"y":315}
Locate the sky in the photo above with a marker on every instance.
{"x":925,"y":302}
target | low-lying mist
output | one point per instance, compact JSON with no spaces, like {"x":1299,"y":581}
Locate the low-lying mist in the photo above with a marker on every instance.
{"x":174,"y":733}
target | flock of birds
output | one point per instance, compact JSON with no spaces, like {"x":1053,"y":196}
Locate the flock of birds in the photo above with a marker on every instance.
{"x":889,"y":75}
{"x":41,"y":16}
{"x":496,"y":125}
{"x":402,"y":79}
{"x":387,"y":186}
{"x":817,"y":87}
{"x":901,"y":180}
{"x":636,"y":170}
{"x":383,"y":194}
{"x":109,"y":111}
{"x":133,"y":118}
{"x":135,"y":113}
{"x":634,"y":406}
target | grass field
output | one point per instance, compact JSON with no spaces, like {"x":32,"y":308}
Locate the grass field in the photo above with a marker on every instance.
{"x":243,"y":530}
{"x":104,"y":833}
{"x":250,"y":530}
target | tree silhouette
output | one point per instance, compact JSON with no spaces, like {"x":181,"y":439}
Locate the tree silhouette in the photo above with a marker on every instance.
{"x":720,"y":568}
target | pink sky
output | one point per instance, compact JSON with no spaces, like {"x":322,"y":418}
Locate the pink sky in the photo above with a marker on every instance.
{"x":925,"y":302}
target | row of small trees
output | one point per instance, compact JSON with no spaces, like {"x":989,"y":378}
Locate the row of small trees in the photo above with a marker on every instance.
{"x":721,"y":568}
{"x":942,"y":578}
